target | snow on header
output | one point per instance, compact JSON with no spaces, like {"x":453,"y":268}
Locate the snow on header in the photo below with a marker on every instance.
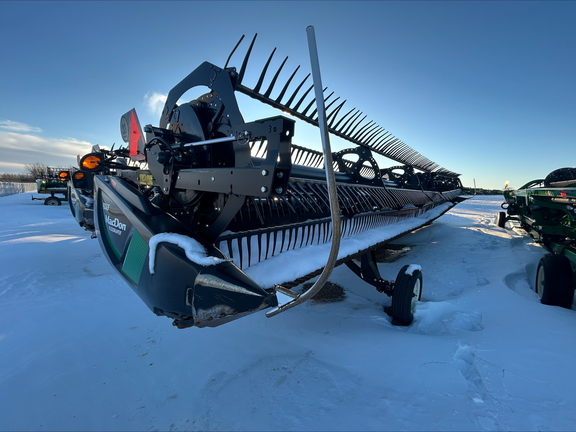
{"x":195,"y":252}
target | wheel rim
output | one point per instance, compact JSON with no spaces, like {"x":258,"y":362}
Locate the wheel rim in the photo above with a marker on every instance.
{"x":52,"y":203}
{"x":416,"y":292}
{"x":540,"y":280}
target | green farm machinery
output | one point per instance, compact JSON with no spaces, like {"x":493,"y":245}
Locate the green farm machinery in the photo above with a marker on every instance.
{"x":53,"y":181}
{"x":546,"y":209}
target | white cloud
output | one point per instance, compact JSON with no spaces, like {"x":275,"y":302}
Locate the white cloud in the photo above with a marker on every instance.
{"x":18,"y":127}
{"x":19,"y":149}
{"x":155,"y":102}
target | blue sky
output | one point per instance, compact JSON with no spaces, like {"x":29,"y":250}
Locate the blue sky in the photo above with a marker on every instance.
{"x":486,"y":89}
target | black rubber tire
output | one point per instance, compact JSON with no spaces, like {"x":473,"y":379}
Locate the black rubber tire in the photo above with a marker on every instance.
{"x":554,"y":282}
{"x":501,"y":222}
{"x":52,"y":201}
{"x":407,"y":291}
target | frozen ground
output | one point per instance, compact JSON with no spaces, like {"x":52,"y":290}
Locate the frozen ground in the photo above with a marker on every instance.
{"x":80,"y":351}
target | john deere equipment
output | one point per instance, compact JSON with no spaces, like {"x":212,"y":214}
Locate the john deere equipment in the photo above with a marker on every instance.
{"x":546,"y":209}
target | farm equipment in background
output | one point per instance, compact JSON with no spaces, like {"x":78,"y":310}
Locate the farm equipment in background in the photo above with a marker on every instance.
{"x":52,"y":182}
{"x":546,"y":209}
{"x":207,"y":200}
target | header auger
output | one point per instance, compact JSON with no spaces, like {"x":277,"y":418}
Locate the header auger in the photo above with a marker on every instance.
{"x":208,"y":198}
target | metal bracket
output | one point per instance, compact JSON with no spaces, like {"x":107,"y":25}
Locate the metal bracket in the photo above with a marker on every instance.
{"x":369,"y":273}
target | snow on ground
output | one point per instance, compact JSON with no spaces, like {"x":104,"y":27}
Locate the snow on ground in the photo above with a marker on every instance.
{"x":80,"y":351}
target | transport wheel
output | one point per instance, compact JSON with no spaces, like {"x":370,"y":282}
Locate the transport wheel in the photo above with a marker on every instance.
{"x":407,"y":291}
{"x":501,"y":222}
{"x":554,"y":281}
{"x":52,"y":201}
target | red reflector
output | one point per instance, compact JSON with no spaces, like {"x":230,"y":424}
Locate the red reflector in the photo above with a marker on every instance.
{"x":563,"y":194}
{"x":135,"y":133}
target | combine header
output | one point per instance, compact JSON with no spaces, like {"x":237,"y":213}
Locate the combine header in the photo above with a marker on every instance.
{"x":209,"y":207}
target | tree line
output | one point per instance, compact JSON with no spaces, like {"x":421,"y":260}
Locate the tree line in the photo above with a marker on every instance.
{"x":33,"y":171}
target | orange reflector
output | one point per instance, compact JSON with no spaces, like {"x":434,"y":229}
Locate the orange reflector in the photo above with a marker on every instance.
{"x":78,"y":175}
{"x":90,"y":161}
{"x":64,"y":175}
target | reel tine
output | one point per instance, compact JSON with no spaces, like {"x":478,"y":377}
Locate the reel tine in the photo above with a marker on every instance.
{"x":233,"y":50}
{"x":281,"y":95}
{"x":261,"y":79}
{"x":302,"y":98}
{"x":296,"y":91}
{"x":245,"y":62}
{"x":355,"y":126}
{"x":267,"y":94}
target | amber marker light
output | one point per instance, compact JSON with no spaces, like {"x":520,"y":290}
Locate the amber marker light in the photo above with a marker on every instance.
{"x":90,"y":162}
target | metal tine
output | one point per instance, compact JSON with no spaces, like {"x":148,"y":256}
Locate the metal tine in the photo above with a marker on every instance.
{"x":362,"y":129}
{"x":249,"y":249}
{"x":316,"y":160}
{"x":267,"y":94}
{"x":389,"y":144}
{"x":281,"y":95}
{"x":370,"y":136}
{"x":301,"y":198}
{"x":240,"y":253}
{"x":261,"y":145}
{"x":406,"y":151}
{"x":296,"y":91}
{"x":282,"y":241}
{"x":334,"y":114}
{"x":343,"y":117}
{"x":354,"y":128}
{"x":375,"y":137}
{"x":382,"y":141}
{"x":245,"y":62}
{"x":392,"y":145}
{"x":352,"y":119}
{"x":307,"y":197}
{"x":310,"y":104}
{"x":295,"y":155}
{"x":325,"y":108}
{"x":289,"y":238}
{"x":362,"y":199}
{"x":298,"y":155}
{"x":302,"y":98}
{"x":229,"y":244}
{"x":411,"y":157}
{"x":287,"y":202}
{"x":396,"y":148}
{"x":261,"y":79}
{"x":360,"y":136}
{"x":233,"y":51}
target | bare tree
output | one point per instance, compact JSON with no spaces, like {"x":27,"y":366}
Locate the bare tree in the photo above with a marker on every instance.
{"x":17,"y":178}
{"x":36,"y":170}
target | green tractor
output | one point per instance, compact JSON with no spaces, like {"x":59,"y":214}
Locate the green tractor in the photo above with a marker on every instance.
{"x":546,"y":209}
{"x":53,"y":182}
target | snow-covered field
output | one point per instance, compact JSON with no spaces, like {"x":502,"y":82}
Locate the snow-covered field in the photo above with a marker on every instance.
{"x":80,"y":351}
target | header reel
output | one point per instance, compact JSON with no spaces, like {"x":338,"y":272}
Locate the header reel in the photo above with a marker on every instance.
{"x":207,"y":186}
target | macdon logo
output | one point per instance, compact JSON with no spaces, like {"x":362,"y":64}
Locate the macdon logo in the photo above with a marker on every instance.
{"x":115,"y":225}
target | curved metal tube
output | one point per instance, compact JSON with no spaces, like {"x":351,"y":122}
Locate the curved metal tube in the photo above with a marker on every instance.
{"x":332,"y":194}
